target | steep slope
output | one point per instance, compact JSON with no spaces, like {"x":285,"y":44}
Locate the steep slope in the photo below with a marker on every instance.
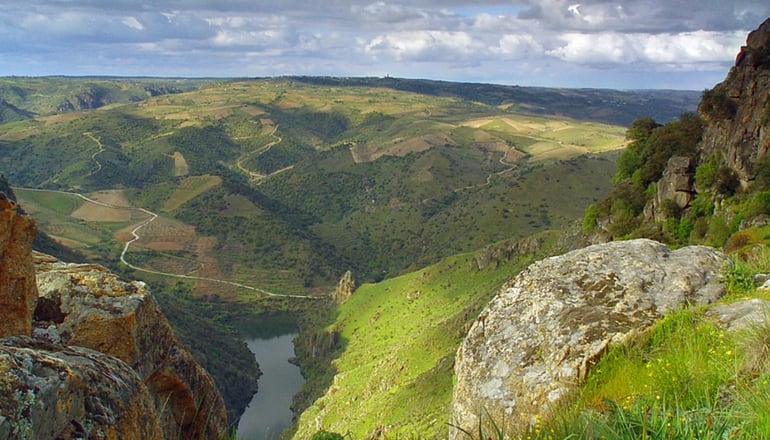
{"x":142,"y":384}
{"x":703,"y":177}
{"x":396,"y":342}
{"x":738,"y":109}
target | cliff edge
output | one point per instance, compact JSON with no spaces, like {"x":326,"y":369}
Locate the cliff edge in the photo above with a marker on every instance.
{"x":86,"y":355}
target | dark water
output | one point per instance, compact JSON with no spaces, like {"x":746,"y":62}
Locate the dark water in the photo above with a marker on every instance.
{"x":268,"y":413}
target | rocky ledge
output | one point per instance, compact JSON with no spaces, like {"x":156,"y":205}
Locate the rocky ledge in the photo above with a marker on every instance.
{"x":539,"y":336}
{"x":86,"y":355}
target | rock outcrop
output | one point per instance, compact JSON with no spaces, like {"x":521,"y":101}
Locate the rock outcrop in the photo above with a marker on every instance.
{"x":87,"y":306}
{"x":100,"y":361}
{"x":18,"y":292}
{"x":738,"y":109}
{"x":539,"y":336}
{"x":345,"y":288}
{"x":675,"y":190}
{"x":54,"y":392}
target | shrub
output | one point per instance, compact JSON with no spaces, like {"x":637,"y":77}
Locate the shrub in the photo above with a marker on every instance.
{"x":326,"y":435}
{"x":716,"y":105}
{"x":739,"y":278}
{"x":589,"y":218}
{"x":761,"y":171}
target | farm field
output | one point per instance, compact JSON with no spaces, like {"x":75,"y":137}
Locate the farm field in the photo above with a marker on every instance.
{"x":285,"y":183}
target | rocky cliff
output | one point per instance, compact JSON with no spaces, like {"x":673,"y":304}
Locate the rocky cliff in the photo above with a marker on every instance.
{"x":92,"y":357}
{"x":539,"y":336}
{"x":18,"y":292}
{"x":737,"y":110}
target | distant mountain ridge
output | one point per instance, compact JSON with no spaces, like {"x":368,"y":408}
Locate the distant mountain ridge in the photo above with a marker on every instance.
{"x":605,"y":105}
{"x":24,"y":97}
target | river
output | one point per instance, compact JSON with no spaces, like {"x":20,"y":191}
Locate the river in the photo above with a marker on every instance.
{"x":268,"y":413}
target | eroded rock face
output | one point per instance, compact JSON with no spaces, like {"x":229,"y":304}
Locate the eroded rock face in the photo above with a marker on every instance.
{"x":18,"y":292}
{"x":676,"y":186}
{"x":49,"y":391}
{"x":741,"y":132}
{"x":86,"y":305}
{"x":539,"y":336}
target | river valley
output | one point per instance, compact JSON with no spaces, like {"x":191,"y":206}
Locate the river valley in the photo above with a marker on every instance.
{"x":268,"y":413}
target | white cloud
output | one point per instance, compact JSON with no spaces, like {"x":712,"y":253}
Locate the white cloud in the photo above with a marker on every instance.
{"x":675,"y":49}
{"x":422,"y":45}
{"x":520,"y":46}
{"x":527,"y":41}
{"x":133,"y":23}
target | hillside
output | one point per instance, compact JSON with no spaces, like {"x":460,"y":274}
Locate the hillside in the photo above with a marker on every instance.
{"x":240,"y":191}
{"x":573,"y":356}
{"x":284,"y":184}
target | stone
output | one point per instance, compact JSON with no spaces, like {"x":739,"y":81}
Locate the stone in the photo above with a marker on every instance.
{"x":345,"y":288}
{"x":540,"y":335}
{"x":88,"y":306}
{"x":18,"y":292}
{"x":741,"y":315}
{"x":676,"y":185}
{"x":49,"y":391}
{"x":743,"y":136}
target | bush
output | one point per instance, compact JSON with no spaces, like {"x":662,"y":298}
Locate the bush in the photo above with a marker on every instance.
{"x":676,"y":138}
{"x":326,"y":435}
{"x":716,"y":105}
{"x":759,"y":204}
{"x":589,"y":218}
{"x":761,"y":170}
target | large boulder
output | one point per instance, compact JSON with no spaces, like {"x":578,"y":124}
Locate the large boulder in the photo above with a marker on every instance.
{"x":18,"y":292}
{"x":48,"y":391}
{"x":88,"y":306}
{"x":540,"y":335}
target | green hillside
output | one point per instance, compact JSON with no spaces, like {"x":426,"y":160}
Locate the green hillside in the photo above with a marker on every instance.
{"x":397,"y":342}
{"x":309,"y":180}
{"x":282,"y":185}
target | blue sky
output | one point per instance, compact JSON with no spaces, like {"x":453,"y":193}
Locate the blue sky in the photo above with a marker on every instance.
{"x":680,"y":44}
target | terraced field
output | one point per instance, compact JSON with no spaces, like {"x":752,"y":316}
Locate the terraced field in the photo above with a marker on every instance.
{"x":286,"y":184}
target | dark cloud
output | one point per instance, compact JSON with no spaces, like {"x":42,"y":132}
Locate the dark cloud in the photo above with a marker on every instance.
{"x":545,"y":42}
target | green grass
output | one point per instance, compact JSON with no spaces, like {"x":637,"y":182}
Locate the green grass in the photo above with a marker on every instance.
{"x":58,"y":203}
{"x":399,"y":339}
{"x":684,"y":378}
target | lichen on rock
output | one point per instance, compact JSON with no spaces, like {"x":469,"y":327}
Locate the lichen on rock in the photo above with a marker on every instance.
{"x":18,"y":293}
{"x":539,"y":336}
{"x":88,"y":306}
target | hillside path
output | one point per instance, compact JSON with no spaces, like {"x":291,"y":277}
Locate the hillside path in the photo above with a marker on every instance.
{"x":151,"y":216}
{"x":264,"y":149}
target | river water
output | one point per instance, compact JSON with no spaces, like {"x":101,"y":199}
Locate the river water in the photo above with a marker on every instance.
{"x":268,"y":413}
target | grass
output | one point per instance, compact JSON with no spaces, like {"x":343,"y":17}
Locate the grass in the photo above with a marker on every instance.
{"x":684,"y":378}
{"x":439,"y":174}
{"x":399,"y":338}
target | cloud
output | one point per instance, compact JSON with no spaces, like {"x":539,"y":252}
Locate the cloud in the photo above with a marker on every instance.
{"x":421,"y":46}
{"x":529,"y":41}
{"x":680,"y":49}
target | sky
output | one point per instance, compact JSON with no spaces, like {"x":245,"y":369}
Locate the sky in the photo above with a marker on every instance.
{"x":631,"y":44}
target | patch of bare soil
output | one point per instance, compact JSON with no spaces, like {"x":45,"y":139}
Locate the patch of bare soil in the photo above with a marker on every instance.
{"x":370,"y":152}
{"x":115,"y":197}
{"x":118,"y":211}
{"x":180,"y":165}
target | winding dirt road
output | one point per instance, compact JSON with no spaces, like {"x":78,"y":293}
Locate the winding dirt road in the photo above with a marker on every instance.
{"x":151,"y":216}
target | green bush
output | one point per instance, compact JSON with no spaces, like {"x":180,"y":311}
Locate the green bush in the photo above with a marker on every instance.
{"x":326,"y":435}
{"x":715,"y":104}
{"x":589,"y":218}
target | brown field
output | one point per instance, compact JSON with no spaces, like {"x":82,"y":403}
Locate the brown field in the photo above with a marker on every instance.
{"x":400,"y":147}
{"x":92,"y":212}
{"x":180,"y":165}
